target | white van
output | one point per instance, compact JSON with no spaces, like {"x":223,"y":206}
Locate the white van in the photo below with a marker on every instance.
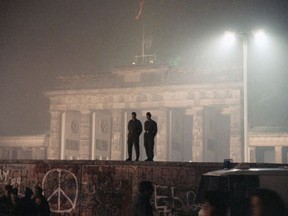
{"x":238,"y":183}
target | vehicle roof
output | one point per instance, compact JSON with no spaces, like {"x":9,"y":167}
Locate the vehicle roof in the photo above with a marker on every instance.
{"x":250,"y":171}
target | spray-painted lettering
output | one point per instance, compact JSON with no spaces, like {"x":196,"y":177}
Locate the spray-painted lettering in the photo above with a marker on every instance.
{"x":4,"y":175}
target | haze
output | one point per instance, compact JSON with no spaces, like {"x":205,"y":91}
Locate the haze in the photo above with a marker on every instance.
{"x":42,"y":39}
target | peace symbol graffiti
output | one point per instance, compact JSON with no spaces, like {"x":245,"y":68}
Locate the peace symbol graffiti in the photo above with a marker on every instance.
{"x":61,"y":190}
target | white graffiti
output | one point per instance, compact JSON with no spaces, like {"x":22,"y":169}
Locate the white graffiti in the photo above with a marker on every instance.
{"x":15,"y":181}
{"x":59,"y":193}
{"x":168,"y":202}
{"x":4,"y":175}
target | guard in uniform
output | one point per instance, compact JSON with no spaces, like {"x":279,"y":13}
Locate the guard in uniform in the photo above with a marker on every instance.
{"x":150,"y":127}
{"x":134,"y":131}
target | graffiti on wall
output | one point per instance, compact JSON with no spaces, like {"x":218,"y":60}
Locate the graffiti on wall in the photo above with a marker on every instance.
{"x":175,"y":188}
{"x":3,"y":176}
{"x":61,"y":190}
{"x":16,"y":175}
{"x":106,"y":189}
{"x":174,"y":201}
{"x":61,"y":186}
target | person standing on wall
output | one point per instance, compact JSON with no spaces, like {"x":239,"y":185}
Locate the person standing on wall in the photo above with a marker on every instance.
{"x":150,"y":127}
{"x":134,"y":131}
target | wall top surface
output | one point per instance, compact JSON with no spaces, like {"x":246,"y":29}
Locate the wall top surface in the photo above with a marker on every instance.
{"x":139,"y":163}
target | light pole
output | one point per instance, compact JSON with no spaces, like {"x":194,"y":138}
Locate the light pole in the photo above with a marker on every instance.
{"x":245,"y":97}
{"x":230,"y":37}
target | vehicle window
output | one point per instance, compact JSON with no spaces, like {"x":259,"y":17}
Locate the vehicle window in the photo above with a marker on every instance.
{"x":276,"y":183}
{"x":211,"y":183}
{"x":240,"y":187}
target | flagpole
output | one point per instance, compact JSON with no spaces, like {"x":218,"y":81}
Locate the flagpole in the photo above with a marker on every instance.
{"x":143,"y":43}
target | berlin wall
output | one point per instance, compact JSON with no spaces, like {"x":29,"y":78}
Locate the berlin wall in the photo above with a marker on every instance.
{"x":107,"y":188}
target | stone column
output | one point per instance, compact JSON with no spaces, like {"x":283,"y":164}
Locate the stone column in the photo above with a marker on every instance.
{"x":252,"y":151}
{"x":53,"y":151}
{"x":85,"y":134}
{"x":278,"y":154}
{"x":189,"y":113}
{"x":197,"y":142}
{"x":162,"y":137}
{"x":236,"y":148}
{"x":117,"y":145}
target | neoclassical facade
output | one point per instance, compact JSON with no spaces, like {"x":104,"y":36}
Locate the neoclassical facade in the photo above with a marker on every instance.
{"x":24,"y":147}
{"x":268,"y":144}
{"x":199,"y":113}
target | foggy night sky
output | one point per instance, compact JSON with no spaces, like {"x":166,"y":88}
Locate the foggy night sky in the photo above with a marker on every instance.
{"x":40,"y":39}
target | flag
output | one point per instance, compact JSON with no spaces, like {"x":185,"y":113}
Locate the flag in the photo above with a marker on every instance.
{"x":140,"y":10}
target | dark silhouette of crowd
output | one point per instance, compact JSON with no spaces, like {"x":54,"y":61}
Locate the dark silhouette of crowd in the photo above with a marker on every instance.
{"x":31,"y":204}
{"x":266,"y":202}
{"x":141,"y":205}
{"x":261,"y":202}
{"x":215,"y":204}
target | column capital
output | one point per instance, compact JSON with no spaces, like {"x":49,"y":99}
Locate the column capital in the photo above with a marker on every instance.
{"x":55,"y":112}
{"x":117,"y":111}
{"x":197,"y":108}
{"x":85,"y":111}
